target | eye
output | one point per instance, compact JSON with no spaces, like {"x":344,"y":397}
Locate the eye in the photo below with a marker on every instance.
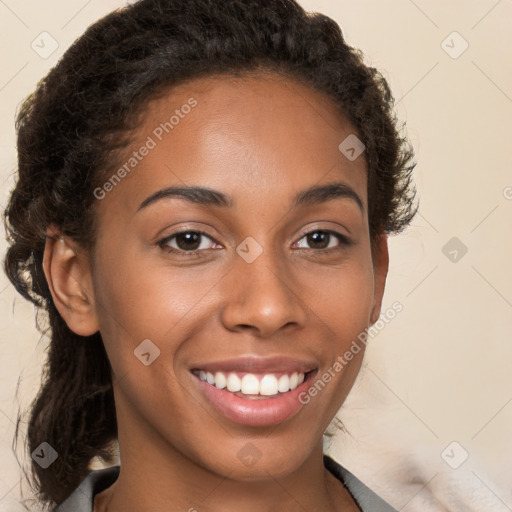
{"x":189,"y":242}
{"x":325,"y":240}
{"x":192,"y":242}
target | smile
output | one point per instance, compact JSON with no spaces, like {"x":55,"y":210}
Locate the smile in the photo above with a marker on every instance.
{"x":268,"y":384}
{"x":253,"y":399}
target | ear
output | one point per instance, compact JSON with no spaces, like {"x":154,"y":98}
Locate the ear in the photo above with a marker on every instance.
{"x":380,"y":272}
{"x":68,"y":273}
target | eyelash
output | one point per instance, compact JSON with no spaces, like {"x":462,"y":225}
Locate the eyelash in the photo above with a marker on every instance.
{"x":344,"y":242}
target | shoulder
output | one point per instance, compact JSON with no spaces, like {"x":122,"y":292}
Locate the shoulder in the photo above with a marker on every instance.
{"x":364,"y":496}
{"x":82,"y":498}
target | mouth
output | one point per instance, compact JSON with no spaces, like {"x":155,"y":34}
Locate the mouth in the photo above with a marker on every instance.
{"x":254,"y":392}
{"x":253,"y":386}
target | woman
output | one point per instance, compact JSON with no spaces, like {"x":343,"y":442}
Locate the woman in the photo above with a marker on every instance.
{"x":204,"y":197}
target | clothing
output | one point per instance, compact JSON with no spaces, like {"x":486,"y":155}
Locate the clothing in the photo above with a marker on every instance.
{"x":82,"y":498}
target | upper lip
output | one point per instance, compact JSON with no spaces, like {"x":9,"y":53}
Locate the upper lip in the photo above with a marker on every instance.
{"x":254,"y":364}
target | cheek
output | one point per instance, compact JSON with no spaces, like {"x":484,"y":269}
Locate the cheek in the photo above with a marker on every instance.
{"x":345,"y":309}
{"x":149,"y":309}
{"x":139,"y":300}
{"x":141,"y":330}
{"x":342,"y":298}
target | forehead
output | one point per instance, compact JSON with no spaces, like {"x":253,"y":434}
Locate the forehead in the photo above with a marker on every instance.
{"x":258,"y":137}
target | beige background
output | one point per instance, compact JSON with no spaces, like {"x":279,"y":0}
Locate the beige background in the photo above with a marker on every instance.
{"x":441,"y":371}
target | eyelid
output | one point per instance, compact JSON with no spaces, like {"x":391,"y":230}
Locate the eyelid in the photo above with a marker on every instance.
{"x":313,"y":229}
{"x":166,"y":238}
{"x":344,"y":240}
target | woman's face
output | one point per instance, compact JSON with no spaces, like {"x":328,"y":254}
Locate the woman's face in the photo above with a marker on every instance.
{"x":268,"y":291}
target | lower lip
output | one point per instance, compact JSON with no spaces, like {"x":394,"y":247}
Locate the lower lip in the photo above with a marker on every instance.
{"x":257,"y":411}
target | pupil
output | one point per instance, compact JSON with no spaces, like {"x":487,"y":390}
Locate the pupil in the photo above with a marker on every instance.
{"x":313,"y":239}
{"x":188,"y":238}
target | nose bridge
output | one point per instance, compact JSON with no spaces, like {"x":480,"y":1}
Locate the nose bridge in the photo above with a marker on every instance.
{"x":261,"y":294}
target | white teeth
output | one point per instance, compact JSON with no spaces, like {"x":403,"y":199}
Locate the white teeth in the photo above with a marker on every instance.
{"x":249,"y":384}
{"x":233,"y":383}
{"x":220,"y":380}
{"x":284,"y":384}
{"x":268,"y":385}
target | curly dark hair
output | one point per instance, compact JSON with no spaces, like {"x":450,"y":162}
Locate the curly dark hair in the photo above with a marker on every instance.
{"x":83,"y":112}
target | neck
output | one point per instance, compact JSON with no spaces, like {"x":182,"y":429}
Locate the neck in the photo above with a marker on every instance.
{"x":155,"y":475}
{"x":140,"y":487}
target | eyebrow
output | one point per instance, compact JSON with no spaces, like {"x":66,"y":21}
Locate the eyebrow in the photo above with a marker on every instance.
{"x":204,"y":196}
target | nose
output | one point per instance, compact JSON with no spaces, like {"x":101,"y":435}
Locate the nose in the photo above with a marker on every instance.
{"x":262,"y":296}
